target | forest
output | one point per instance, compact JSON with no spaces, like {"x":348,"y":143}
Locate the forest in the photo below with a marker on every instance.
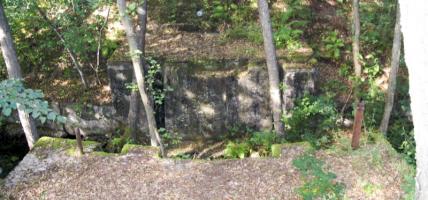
{"x":213,"y":99}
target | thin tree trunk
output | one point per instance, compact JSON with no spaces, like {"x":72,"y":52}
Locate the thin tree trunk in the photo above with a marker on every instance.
{"x":414,"y":18}
{"x":100,"y":40}
{"x":356,"y":38}
{"x":69,"y":51}
{"x":272,"y":65}
{"x":14,"y":71}
{"x":395,"y":63}
{"x":138,"y":64}
{"x":142,"y":22}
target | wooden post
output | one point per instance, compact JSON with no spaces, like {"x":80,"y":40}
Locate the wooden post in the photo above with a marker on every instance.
{"x":79,"y":149}
{"x":358,"y":122}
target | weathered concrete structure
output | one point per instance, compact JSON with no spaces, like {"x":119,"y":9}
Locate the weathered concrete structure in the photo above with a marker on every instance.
{"x":209,"y":97}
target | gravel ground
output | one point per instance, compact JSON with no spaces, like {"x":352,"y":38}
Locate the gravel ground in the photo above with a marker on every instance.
{"x":370,"y":173}
{"x":135,"y":176}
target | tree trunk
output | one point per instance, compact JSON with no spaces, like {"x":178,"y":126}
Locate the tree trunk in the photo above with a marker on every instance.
{"x":414,"y":18}
{"x":134,"y":103}
{"x":356,"y":34}
{"x":14,"y":71}
{"x":69,"y":51}
{"x":272,"y":65}
{"x":395,"y":63}
{"x":142,"y":22}
{"x":138,"y":64}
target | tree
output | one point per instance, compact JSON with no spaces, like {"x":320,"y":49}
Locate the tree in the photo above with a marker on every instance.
{"x":395,"y":62}
{"x":414,"y":26}
{"x":137,"y":62}
{"x":356,"y":37}
{"x":272,"y":65}
{"x":14,"y":72}
{"x":134,"y":103}
{"x":70,"y":52}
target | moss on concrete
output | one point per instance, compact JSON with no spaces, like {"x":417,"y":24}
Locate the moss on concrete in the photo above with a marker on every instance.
{"x":103,"y":153}
{"x":129,"y":147}
{"x":67,"y":145}
{"x":276,"y":150}
{"x":61,"y":143}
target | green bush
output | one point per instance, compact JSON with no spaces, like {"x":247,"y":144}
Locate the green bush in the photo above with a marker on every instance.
{"x":237,"y":150}
{"x":245,"y":141}
{"x":331,"y":45}
{"x":313,"y":119}
{"x":289,"y":25}
{"x":263,"y":141}
{"x":169,"y":138}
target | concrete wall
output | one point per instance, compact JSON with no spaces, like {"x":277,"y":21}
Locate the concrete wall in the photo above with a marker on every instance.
{"x":210,"y":97}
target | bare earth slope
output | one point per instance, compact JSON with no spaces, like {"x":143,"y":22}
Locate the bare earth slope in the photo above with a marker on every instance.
{"x":53,"y":174}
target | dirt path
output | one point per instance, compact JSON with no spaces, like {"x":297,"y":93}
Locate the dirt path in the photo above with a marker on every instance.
{"x":374,"y":171}
{"x":135,"y":176}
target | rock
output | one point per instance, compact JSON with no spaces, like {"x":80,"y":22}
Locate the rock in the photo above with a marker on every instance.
{"x":96,"y":122}
{"x":46,"y":155}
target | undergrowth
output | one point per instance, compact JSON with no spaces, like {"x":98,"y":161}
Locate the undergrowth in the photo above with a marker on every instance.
{"x":257,"y":142}
{"x":319,"y":184}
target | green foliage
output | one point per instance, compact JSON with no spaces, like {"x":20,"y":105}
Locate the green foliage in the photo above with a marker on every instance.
{"x":320,"y":184}
{"x":377,"y":26}
{"x":263,"y":141}
{"x":409,"y":186}
{"x":374,"y":105}
{"x":13,"y":94}
{"x":312,"y":119}
{"x":169,"y":138}
{"x":115,"y":145}
{"x":400,"y":131}
{"x":37,"y":43}
{"x":288,"y":25}
{"x":237,"y":150}
{"x":155,"y":88}
{"x":331,"y":45}
{"x":250,"y":32}
{"x":285,"y":37}
{"x":246,"y":141}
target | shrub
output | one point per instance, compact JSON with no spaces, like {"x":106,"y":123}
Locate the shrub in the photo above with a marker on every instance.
{"x":169,"y":138}
{"x":331,"y":45}
{"x":312,"y":119}
{"x":263,"y":141}
{"x":237,"y":150}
